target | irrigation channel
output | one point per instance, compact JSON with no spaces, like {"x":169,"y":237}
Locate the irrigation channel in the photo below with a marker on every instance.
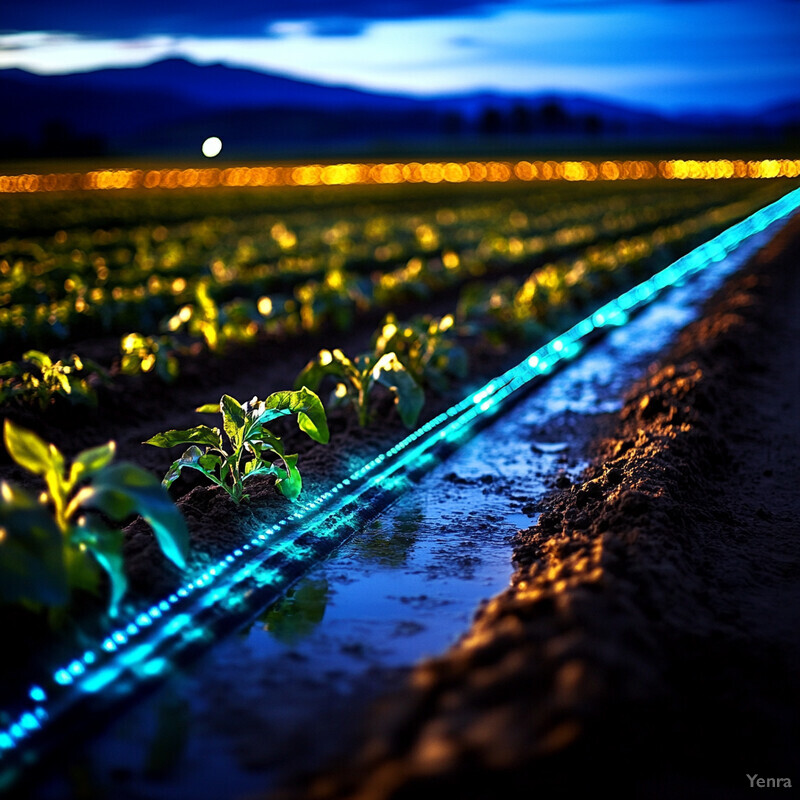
{"x":384,"y":569}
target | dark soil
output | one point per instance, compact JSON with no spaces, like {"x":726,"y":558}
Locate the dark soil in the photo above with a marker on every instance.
{"x":648,"y":645}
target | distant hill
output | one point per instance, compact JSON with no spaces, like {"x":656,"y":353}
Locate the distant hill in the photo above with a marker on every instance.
{"x":170,"y":106}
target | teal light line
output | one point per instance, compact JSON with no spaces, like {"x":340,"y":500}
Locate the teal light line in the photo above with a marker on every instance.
{"x":134,"y":649}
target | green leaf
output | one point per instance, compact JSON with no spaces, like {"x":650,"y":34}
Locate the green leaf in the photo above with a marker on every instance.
{"x":32,"y":559}
{"x":209,"y":408}
{"x":130,"y":364}
{"x":193,"y":458}
{"x":409,"y":397}
{"x":37,"y":357}
{"x":27,"y":449}
{"x":289,"y":482}
{"x":310,"y":413}
{"x":202,"y":434}
{"x":90,"y":461}
{"x":83,"y":570}
{"x":124,"y":489}
{"x":105,"y":545}
{"x":209,"y":462}
{"x":63,"y":382}
{"x":266,"y":442}
{"x":10,"y":369}
{"x":233,"y":419}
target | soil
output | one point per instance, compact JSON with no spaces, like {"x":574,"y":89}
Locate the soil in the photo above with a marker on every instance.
{"x":648,"y":644}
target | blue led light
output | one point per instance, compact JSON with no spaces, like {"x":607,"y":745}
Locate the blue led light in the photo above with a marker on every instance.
{"x":29,"y":721}
{"x":63,"y":677}
{"x":37,"y":694}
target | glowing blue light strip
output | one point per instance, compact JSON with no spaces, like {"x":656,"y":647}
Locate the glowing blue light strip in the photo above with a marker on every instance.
{"x":130,"y":652}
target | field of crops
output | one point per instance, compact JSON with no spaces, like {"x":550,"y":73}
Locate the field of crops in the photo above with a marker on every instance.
{"x":108,"y":298}
{"x":360,"y":312}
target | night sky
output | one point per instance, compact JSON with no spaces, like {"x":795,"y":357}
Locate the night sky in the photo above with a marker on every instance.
{"x":670,"y":55}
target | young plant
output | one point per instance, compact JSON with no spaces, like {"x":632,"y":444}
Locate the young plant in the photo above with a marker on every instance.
{"x":218,"y":326}
{"x":334,"y":300}
{"x":500,"y":312}
{"x":39,"y":379}
{"x":358,"y":378}
{"x":426,"y":347}
{"x":251,"y":446}
{"x":145,"y":354}
{"x":50,"y":553}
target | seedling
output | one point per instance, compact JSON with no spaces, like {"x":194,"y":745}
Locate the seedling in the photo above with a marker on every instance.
{"x":39,"y":379}
{"x":357,"y":379}
{"x":251,"y":447}
{"x":57,"y":544}
{"x":333,"y":300}
{"x":149,"y":354}
{"x":237,"y":321}
{"x":426,"y":348}
{"x":502,"y":311}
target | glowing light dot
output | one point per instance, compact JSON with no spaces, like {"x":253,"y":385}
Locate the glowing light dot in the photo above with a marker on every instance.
{"x":29,"y":722}
{"x":37,"y":694}
{"x":63,"y":677}
{"x":212,"y":147}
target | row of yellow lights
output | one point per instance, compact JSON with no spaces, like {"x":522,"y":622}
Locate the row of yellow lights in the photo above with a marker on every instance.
{"x":413,"y":172}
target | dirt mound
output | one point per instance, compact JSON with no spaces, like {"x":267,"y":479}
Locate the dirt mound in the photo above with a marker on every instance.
{"x":648,"y":643}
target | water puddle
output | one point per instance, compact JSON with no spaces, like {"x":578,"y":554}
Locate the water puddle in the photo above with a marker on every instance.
{"x":282,"y":694}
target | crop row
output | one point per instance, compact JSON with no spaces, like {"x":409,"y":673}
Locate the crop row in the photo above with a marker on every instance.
{"x":492,"y":297}
{"x":79,"y":282}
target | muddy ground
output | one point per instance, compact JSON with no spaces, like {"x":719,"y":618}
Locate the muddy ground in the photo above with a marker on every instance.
{"x":648,"y":644}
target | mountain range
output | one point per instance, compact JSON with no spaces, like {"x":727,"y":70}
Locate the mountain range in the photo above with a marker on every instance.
{"x":169,"y":107}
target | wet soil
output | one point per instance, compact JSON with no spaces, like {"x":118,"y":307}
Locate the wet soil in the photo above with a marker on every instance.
{"x":648,"y":645}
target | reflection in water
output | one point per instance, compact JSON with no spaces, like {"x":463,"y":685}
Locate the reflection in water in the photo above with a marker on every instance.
{"x":299,"y":612}
{"x":390,"y":546}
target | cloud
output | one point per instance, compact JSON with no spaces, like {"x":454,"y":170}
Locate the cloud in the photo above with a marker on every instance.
{"x":99,"y":18}
{"x":222,"y":17}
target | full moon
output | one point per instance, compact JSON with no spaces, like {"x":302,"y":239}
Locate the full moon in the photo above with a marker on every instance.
{"x":212,"y":146}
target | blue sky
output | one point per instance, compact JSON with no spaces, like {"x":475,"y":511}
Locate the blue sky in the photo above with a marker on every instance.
{"x":668,"y":54}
